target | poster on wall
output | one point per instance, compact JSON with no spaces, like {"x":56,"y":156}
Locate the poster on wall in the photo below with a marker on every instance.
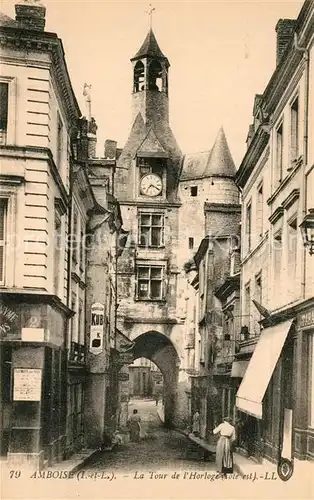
{"x":97,"y":328}
{"x":27,"y":384}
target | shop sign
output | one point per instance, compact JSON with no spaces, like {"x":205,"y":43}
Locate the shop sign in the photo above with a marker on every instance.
{"x":97,"y":328}
{"x":123,"y":377}
{"x":7,"y":320}
{"x":126,"y":358}
{"x":27,"y":384}
{"x":306,"y":319}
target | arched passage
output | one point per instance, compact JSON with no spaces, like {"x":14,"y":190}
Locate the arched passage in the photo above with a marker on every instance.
{"x":159,"y":349}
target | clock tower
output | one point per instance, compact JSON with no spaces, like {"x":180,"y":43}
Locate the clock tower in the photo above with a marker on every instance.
{"x":146,"y":186}
{"x":148,"y":168}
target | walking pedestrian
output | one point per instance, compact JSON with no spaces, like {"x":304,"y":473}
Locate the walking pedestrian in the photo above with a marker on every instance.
{"x":134,"y":424}
{"x":157,"y":398}
{"x":196,"y":424}
{"x":224,"y":457}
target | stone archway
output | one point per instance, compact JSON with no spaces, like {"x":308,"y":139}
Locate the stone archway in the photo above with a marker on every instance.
{"x":159,"y":349}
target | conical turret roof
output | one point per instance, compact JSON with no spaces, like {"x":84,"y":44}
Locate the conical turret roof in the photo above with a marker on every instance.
{"x":220,"y":162}
{"x":150,"y":48}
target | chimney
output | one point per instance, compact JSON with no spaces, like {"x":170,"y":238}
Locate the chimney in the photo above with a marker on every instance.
{"x":110,"y":149}
{"x":285,"y":30}
{"x":30,"y":14}
{"x":92,"y":137}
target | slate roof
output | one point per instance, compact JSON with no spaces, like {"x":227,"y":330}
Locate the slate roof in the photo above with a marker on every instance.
{"x":216,"y":162}
{"x":150,"y":48}
{"x":8,"y":21}
{"x":194,"y":165}
{"x":220,"y":161}
{"x":151,"y":144}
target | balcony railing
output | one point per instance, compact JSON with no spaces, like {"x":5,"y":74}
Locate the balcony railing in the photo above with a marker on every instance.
{"x":77,"y":353}
{"x":232,"y":337}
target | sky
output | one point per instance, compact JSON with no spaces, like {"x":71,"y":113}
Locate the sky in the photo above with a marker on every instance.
{"x":221,"y":54}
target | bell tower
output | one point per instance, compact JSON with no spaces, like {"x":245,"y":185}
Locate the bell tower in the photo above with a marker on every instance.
{"x":151,"y":149}
{"x":150,"y":82}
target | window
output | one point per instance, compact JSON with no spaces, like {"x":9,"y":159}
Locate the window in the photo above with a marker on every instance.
{"x":150,"y":282}
{"x":82,"y":248}
{"x":259,"y":299}
{"x":191,"y":243}
{"x":74,"y":236}
{"x":151,"y":229}
{"x":151,"y":166}
{"x":4,"y":101}
{"x":247,"y":306}
{"x":279,"y":152}
{"x":277,"y":248}
{"x":59,"y":140}
{"x":57,"y":253}
{"x":81,"y":322}
{"x":294,"y":132}
{"x":3,"y":231}
{"x":259,"y":212}
{"x":248,"y":226}
{"x":73,"y":319}
{"x":292,"y":249}
{"x":312,"y":380}
{"x":193,"y":190}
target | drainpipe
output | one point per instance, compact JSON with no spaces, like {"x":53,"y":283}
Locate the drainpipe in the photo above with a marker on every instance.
{"x":305,"y":52}
{"x":116,"y":290}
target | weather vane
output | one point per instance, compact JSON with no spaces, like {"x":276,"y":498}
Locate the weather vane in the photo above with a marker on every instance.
{"x":150,"y":14}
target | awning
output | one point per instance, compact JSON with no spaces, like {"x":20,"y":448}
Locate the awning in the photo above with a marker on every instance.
{"x":260,"y":369}
{"x":239,"y":368}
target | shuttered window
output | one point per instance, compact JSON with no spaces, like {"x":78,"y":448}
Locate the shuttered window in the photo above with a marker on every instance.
{"x":3,"y":235}
{"x":4,"y":94}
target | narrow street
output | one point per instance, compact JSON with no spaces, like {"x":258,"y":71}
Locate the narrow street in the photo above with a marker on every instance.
{"x":160,"y":449}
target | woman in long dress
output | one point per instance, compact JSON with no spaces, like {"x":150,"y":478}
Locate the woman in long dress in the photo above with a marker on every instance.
{"x":224,"y":458}
{"x":134,"y":424}
{"x":196,"y":424}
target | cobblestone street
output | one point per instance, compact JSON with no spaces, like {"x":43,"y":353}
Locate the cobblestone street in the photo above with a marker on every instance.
{"x":160,"y":449}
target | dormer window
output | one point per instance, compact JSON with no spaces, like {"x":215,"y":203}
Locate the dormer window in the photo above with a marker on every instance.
{"x":151,"y":166}
{"x":139,"y":76}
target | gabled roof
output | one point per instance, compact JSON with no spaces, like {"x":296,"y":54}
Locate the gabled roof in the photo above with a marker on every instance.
{"x":220,"y":161}
{"x":151,"y":145}
{"x":8,"y":21}
{"x":150,"y":48}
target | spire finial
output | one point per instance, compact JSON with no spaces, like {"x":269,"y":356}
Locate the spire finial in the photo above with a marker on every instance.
{"x":88,"y":100}
{"x":149,"y":12}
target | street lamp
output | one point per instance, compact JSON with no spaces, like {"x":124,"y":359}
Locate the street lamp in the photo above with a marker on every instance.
{"x":307,"y":230}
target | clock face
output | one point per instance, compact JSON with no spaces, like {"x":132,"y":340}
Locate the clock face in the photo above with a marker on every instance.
{"x":151,"y":185}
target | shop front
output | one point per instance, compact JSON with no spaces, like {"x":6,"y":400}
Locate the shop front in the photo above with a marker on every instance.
{"x":304,"y":386}
{"x":264,"y":399}
{"x":33,"y":370}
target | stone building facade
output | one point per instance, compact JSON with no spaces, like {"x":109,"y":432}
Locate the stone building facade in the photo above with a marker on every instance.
{"x":39,"y":118}
{"x":146,"y":185}
{"x":216,"y":233}
{"x":59,"y":223}
{"x":276,"y":178}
